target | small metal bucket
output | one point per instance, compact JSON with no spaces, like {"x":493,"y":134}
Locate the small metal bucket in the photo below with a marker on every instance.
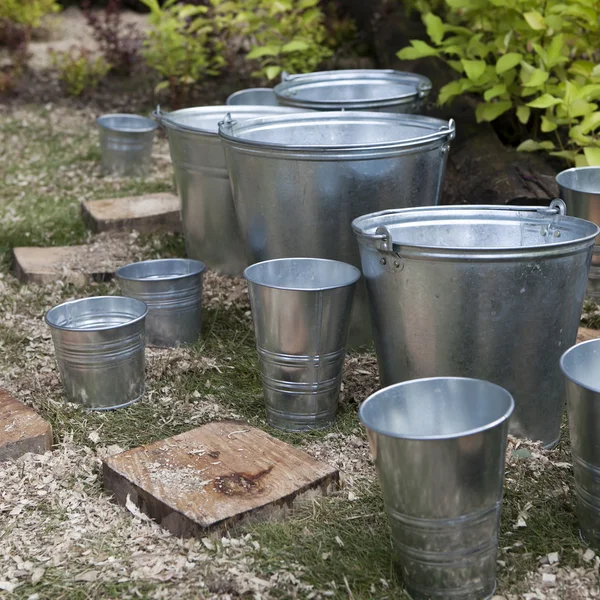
{"x":210,"y":226}
{"x":581,"y":367}
{"x":298,"y":180}
{"x":301,"y":311}
{"x":126,"y":144}
{"x":172,"y":289}
{"x":491,"y":292}
{"x":439,"y":447}
{"x":99,"y":345}
{"x":379,"y":90}
{"x":253,"y":97}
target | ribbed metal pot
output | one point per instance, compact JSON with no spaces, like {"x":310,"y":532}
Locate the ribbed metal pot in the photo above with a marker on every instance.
{"x":490,"y":292}
{"x":253,"y":97}
{"x":382,"y":90}
{"x":99,"y":344}
{"x":439,"y":446}
{"x":298,"y":181}
{"x":172,"y":290}
{"x":126,"y":144}
{"x":209,"y":224}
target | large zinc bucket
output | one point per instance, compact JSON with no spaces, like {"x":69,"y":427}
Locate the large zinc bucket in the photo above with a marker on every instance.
{"x":439,"y":447}
{"x":581,"y":366}
{"x":208,"y":216}
{"x":99,"y":344}
{"x":298,"y":181}
{"x":126,"y":144}
{"x":490,"y":292}
{"x":253,"y":97}
{"x":580,"y":189}
{"x":382,"y":90}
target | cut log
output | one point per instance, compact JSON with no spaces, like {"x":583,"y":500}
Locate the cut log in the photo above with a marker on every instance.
{"x":146,"y":214}
{"x":215,"y":476}
{"x":21,"y":429}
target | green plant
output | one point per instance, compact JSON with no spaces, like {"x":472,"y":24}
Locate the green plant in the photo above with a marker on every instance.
{"x":183,"y":46}
{"x":78,"y":70}
{"x":27,"y":12}
{"x":536,"y":60}
{"x":287,"y":35}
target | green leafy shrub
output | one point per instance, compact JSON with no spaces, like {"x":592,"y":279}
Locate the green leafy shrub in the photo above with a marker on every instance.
{"x":27,"y":12}
{"x":288,"y":35}
{"x":183,"y":45}
{"x":78,"y":70}
{"x":537,"y":61}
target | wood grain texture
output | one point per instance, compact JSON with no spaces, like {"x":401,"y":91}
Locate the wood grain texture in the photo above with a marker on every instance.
{"x":215,"y":476}
{"x":21,"y":429}
{"x":146,"y":214}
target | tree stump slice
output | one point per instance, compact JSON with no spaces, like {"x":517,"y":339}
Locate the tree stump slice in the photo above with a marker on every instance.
{"x":146,"y":214}
{"x":213,"y":477}
{"x":22,"y":430}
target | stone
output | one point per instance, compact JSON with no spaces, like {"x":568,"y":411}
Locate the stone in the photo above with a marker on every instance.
{"x":146,"y":214}
{"x":213,"y":477}
{"x":22,"y":430}
{"x":585,"y":333}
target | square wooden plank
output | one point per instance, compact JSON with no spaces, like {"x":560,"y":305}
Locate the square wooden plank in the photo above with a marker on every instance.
{"x":214,"y":476}
{"x":21,"y":429}
{"x":146,"y":214}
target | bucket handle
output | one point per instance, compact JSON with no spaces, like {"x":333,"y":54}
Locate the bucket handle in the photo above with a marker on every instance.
{"x":158,"y":115}
{"x":227,"y":121}
{"x":384,"y":242}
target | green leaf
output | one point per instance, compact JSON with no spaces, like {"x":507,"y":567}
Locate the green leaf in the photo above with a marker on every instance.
{"x":494,"y":92}
{"x":449,"y":91}
{"x":590,"y":92}
{"x":548,"y":125}
{"x":537,"y":78}
{"x":595,"y":71}
{"x":592,"y":156}
{"x":581,"y":160}
{"x":544,"y":101}
{"x":523,"y":113}
{"x":295,"y":46}
{"x":488,"y":111}
{"x":473,"y":68}
{"x":307,"y":4}
{"x":508,"y":61}
{"x":575,"y":133}
{"x":555,"y":51}
{"x":568,"y":154}
{"x":582,"y":67}
{"x":590,"y":123}
{"x":418,"y":49}
{"x":259,"y":51}
{"x":535,"y":20}
{"x":313,"y":14}
{"x":532,"y":146}
{"x":581,"y":108}
{"x":163,"y":85}
{"x":435,"y":28}
{"x":272,"y":72}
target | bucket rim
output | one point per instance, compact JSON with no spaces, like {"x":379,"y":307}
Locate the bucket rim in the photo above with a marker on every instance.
{"x":246,"y":91}
{"x":361,"y":232}
{"x":151,"y":125}
{"x":142,"y":305}
{"x":575,"y":380}
{"x":437,"y":437}
{"x":120,"y":273}
{"x":422,"y":86}
{"x":351,"y":280}
{"x":439,"y":130}
{"x":572,"y":170}
{"x":220,"y":112}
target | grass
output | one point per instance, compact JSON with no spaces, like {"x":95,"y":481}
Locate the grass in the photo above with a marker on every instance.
{"x":335,"y":544}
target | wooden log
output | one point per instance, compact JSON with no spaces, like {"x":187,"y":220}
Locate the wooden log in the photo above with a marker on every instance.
{"x":215,"y":476}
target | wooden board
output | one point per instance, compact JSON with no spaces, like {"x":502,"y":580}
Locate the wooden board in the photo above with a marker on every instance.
{"x":146,"y":214}
{"x":585,"y":333}
{"x":74,"y":264}
{"x":215,"y":476}
{"x":21,"y":429}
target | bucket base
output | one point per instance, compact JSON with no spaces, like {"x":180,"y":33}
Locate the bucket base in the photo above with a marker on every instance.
{"x":298,"y":423}
{"x":104,"y":408}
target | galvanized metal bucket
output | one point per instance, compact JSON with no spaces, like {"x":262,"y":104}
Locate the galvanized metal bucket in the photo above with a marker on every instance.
{"x":126,"y":144}
{"x":172,"y":289}
{"x":491,"y":292}
{"x":209,"y":224}
{"x":581,"y":367}
{"x":301,"y":311}
{"x":439,"y":447}
{"x":253,"y":97}
{"x":298,"y":180}
{"x":99,"y":344}
{"x":382,"y":90}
